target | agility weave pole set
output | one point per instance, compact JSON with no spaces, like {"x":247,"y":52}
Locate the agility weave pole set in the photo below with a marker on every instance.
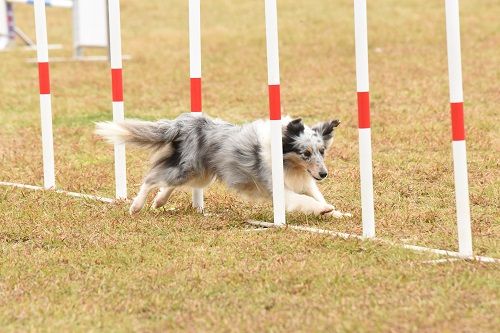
{"x":364,"y":132}
{"x":361,"y":46}
{"x":49,"y":181}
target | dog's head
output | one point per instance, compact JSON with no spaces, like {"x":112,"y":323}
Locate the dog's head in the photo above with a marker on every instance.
{"x":304,"y":147}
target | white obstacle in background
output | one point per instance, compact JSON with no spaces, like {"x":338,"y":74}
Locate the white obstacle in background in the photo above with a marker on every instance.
{"x":90,"y":25}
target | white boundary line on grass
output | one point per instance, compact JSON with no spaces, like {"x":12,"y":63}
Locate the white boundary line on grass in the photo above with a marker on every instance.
{"x":344,"y":235}
{"x":71,"y":194}
{"x":268,"y":225}
{"x":441,"y":261}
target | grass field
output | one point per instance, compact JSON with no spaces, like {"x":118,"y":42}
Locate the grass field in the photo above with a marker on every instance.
{"x":77,"y":265}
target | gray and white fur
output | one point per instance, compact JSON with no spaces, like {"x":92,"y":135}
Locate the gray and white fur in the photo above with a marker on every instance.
{"x":194,"y":151}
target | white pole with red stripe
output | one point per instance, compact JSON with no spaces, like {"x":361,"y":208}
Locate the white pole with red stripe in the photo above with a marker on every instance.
{"x":273,"y":77}
{"x":364,"y":131}
{"x":195,"y":76}
{"x":11,"y":24}
{"x":49,"y":180}
{"x":458,"y":128}
{"x":115,"y":53}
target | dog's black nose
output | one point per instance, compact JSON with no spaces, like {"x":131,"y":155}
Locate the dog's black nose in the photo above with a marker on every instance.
{"x":323,"y":174}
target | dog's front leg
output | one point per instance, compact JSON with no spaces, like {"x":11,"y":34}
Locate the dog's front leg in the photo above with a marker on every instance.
{"x":305,"y":204}
{"x":312,"y":189}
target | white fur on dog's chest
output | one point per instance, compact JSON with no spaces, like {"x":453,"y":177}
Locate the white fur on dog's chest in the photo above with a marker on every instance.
{"x":297,"y":181}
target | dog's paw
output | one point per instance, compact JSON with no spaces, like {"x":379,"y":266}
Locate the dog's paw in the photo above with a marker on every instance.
{"x":338,"y":214}
{"x":325,"y":210}
{"x":157,"y":204}
{"x":134,"y":208}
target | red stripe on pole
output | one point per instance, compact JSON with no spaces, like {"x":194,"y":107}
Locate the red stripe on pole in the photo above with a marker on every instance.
{"x":274,"y":102}
{"x":195,"y":94}
{"x":117,"y":84}
{"x":43,"y":77}
{"x":457,"y":121}
{"x":364,"y":109}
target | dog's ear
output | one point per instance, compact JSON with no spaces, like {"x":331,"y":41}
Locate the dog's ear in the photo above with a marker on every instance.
{"x":295,"y":127}
{"x":325,"y":130}
{"x":290,"y":133}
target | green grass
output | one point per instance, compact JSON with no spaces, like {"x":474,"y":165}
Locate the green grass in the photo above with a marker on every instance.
{"x":77,"y":265}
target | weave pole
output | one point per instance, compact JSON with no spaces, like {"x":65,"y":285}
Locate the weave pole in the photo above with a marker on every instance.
{"x":11,"y":24}
{"x":115,"y":54}
{"x":42,"y":53}
{"x":364,"y":130}
{"x":273,"y":77}
{"x":195,"y":76}
{"x":458,"y":128}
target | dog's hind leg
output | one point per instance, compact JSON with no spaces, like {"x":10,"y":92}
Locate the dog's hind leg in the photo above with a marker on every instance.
{"x":140,"y":199}
{"x":162,"y":196}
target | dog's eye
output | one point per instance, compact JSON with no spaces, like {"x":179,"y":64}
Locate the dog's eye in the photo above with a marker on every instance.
{"x":307,"y":154}
{"x":322,"y":151}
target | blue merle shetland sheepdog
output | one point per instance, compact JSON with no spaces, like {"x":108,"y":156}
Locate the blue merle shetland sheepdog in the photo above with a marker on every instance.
{"x":193,"y":151}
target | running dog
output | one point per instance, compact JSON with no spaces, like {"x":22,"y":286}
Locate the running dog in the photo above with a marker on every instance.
{"x":193,"y":151}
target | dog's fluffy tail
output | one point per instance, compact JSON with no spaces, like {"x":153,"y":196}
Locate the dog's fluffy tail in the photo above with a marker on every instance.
{"x":139,"y":133}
